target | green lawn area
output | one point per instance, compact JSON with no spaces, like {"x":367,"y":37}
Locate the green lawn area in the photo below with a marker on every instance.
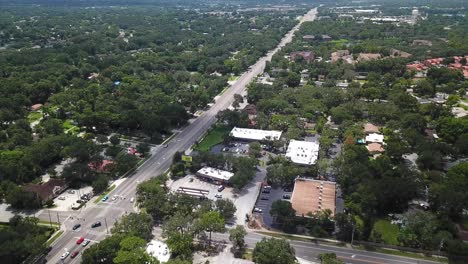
{"x":214,"y":137}
{"x":34,"y":116}
{"x":233,"y":78}
{"x":69,"y":128}
{"x":52,"y":239}
{"x":388,"y":231}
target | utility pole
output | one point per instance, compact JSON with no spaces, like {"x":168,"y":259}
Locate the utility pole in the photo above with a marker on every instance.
{"x":50,"y":219}
{"x":107,"y":228}
{"x":58,"y":218}
{"x":352,"y":235}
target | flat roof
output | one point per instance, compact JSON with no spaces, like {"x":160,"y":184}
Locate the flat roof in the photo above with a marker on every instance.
{"x":215,"y":173}
{"x":303,"y":152}
{"x":255,"y":134}
{"x":375,"y":138}
{"x":158,"y":250}
{"x":312,"y":196}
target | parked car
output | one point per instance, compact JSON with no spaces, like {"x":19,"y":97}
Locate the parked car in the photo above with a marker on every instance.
{"x":80,"y":240}
{"x":257,"y":210}
{"x":286,"y":196}
{"x":219,"y":196}
{"x":61,"y":198}
{"x":105,"y":198}
{"x":74,"y":254}
{"x":75,"y":227}
{"x":264,"y":197}
{"x":65,"y":255}
{"x":266,"y":191}
{"x":96,"y":224}
{"x":71,"y":191}
{"x":132,"y":200}
{"x":220,"y":188}
{"x":86,"y":242}
{"x":114,"y":198}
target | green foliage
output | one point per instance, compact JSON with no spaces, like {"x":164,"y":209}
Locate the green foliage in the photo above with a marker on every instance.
{"x":210,"y":222}
{"x":384,"y":232}
{"x":133,"y":224}
{"x":329,"y":258}
{"x":215,"y":136}
{"x":236,"y":236}
{"x":284,"y":215}
{"x":133,"y":251}
{"x":273,"y":251}
{"x":100,"y":184}
{"x":226,"y":208}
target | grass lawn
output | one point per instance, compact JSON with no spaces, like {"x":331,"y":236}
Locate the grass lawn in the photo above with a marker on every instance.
{"x":52,"y":239}
{"x":34,"y":116}
{"x":214,"y":137}
{"x":233,"y":78}
{"x":104,"y":194}
{"x":388,"y":231}
{"x":69,"y":128}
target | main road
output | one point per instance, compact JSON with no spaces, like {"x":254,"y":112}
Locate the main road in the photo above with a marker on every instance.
{"x":110,"y":211}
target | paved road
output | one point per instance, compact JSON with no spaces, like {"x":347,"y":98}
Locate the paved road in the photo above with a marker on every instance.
{"x":160,"y":161}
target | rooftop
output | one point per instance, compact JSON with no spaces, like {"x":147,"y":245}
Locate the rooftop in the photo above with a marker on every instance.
{"x":370,"y":128}
{"x":375,"y":148}
{"x":255,"y":134}
{"x":48,"y":189}
{"x":375,"y":138}
{"x":312,"y":196}
{"x":158,"y":250}
{"x":215,"y":173}
{"x":303,"y":152}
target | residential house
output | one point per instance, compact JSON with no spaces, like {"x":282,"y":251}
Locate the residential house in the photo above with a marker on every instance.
{"x":36,"y":107}
{"x":308,"y":38}
{"x":307,"y":56}
{"x":326,"y":38}
{"x":49,"y":190}
{"x":368,"y":56}
{"x":421,"y":42}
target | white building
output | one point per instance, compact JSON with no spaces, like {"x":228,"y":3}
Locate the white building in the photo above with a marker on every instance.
{"x":375,"y":138}
{"x":255,"y":134}
{"x":215,"y":174}
{"x":303,"y":152}
{"x":158,"y":250}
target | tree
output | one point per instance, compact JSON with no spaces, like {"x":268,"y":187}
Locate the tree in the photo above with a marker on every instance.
{"x":293,"y":79}
{"x":103,"y":252}
{"x":133,"y":224}
{"x":419,"y":230}
{"x":115,"y":140}
{"x":133,"y":251}
{"x":255,"y":149}
{"x":124,"y":163}
{"x":180,"y":245}
{"x":100,"y":184}
{"x":236,"y":236}
{"x":273,"y":251}
{"x":211,"y":222}
{"x":153,"y":197}
{"x":226,"y":208}
{"x":284,"y":214}
{"x":238,"y":99}
{"x":143,"y":148}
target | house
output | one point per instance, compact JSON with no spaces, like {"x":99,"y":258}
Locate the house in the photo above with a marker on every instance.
{"x":308,"y":38}
{"x":370,"y":128}
{"x":326,"y":38}
{"x":368,"y":56}
{"x":255,"y":134}
{"x":307,"y":56}
{"x":422,"y":42}
{"x":215,"y":175}
{"x":303,"y":152}
{"x":375,"y":148}
{"x":311,"y":196}
{"x":399,"y":53}
{"x":49,"y":190}
{"x":342,"y":55}
{"x":36,"y":107}
{"x":101,"y":166}
{"x":375,"y":138}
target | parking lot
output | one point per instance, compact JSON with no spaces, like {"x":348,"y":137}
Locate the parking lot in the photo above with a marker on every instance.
{"x":233,"y":147}
{"x":265,"y":200}
{"x":66,"y":200}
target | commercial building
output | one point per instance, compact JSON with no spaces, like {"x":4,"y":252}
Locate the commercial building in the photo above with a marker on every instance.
{"x":255,"y":134}
{"x":303,"y":152}
{"x":311,"y":196}
{"x":215,"y":174}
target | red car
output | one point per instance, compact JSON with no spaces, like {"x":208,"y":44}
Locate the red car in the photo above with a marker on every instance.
{"x":81,"y":239}
{"x":74,"y":254}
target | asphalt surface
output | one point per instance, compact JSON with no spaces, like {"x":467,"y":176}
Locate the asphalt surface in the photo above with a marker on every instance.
{"x":110,"y":211}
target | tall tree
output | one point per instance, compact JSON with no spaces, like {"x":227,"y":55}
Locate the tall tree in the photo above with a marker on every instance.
{"x":273,"y":251}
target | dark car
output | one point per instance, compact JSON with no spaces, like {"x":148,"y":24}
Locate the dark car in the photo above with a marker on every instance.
{"x":264,"y":197}
{"x":266,"y":191}
{"x":74,"y":254}
{"x":96,"y":224}
{"x":75,"y":227}
{"x":286,"y":196}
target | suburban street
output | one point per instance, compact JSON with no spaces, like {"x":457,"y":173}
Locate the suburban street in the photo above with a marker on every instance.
{"x":110,"y":211}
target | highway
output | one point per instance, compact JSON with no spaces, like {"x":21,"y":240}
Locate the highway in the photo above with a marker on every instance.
{"x":110,"y":211}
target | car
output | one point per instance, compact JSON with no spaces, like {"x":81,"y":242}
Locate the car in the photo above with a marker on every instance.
{"x":219,"y":196}
{"x":132,"y":200}
{"x":257,"y":210}
{"x":61,"y":198}
{"x":287,"y":189}
{"x":80,"y":240}
{"x":71,"y":191}
{"x":105,"y":198}
{"x":220,"y":188}
{"x":96,"y":224}
{"x":65,"y":255}
{"x":74,"y":254}
{"x":75,"y":227}
{"x":225,"y":149}
{"x":264,"y":197}
{"x":286,"y":196}
{"x":266,"y":191}
{"x":114,"y":198}
{"x":86,"y":242}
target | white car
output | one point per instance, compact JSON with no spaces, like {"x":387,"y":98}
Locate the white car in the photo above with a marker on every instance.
{"x":132,"y":199}
{"x":113,"y":198}
{"x":257,"y":210}
{"x":65,"y":255}
{"x":219,"y":196}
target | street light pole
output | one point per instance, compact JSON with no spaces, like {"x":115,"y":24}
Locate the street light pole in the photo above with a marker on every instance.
{"x":107,"y":229}
{"x":50,"y":219}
